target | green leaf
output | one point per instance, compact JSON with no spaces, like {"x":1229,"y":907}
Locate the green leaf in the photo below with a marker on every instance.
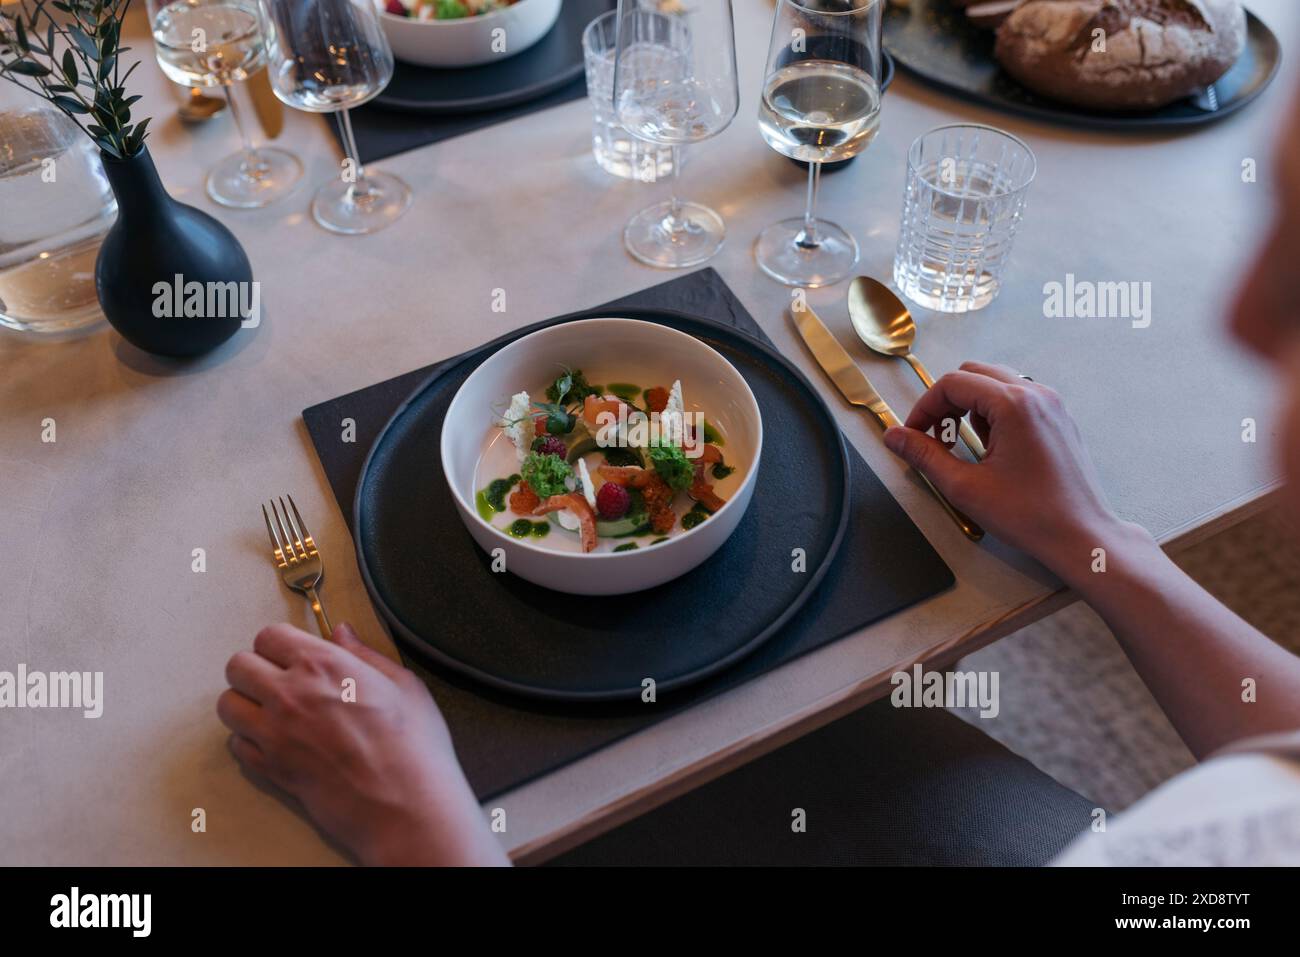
{"x":68,"y":104}
{"x":86,"y":44}
{"x":106,"y":67}
{"x":20,"y":35}
{"x":27,"y":68}
{"x":107,"y":145}
{"x":70,"y":67}
{"x":136,"y":140}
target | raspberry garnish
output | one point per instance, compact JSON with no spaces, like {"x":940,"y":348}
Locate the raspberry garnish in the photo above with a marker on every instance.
{"x":612,"y":501}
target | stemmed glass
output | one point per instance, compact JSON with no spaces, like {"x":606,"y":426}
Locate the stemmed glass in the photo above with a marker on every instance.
{"x":206,"y":43}
{"x":674,"y":84}
{"x":327,"y":56}
{"x":820,"y":104}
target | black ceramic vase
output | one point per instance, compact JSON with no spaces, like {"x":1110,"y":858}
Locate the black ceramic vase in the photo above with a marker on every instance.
{"x":171,"y":279}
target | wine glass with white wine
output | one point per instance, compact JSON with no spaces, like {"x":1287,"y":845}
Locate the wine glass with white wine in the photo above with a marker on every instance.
{"x":327,"y":56}
{"x":820,"y":104}
{"x":206,"y":43}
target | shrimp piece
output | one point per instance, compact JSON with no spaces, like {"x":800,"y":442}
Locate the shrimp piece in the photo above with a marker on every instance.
{"x":702,"y":491}
{"x":593,"y":405}
{"x":577,"y":504}
{"x":632,"y":476}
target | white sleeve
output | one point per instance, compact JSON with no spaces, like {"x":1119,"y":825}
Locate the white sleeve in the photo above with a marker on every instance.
{"x":1238,"y":810}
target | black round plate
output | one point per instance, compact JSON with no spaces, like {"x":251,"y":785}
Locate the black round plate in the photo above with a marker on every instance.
{"x":553,"y":61}
{"x":934,"y":41}
{"x":436,"y":589}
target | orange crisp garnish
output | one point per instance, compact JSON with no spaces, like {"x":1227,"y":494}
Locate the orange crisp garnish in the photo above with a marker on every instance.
{"x":659,"y":504}
{"x":524,"y":500}
{"x":656,"y":399}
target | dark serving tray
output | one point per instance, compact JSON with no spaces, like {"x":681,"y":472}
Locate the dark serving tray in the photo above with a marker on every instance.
{"x":934,"y":41}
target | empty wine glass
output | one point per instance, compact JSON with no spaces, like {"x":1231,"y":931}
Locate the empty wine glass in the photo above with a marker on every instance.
{"x":820,"y":103}
{"x":205,"y":43}
{"x":674,"y":84}
{"x":327,"y":56}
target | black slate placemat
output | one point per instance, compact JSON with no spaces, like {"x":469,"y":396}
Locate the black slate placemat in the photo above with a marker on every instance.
{"x":884,"y":565}
{"x":381,"y":133}
{"x":393,"y":123}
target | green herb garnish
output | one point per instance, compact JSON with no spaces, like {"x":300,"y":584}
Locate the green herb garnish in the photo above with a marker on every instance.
{"x":721,"y":471}
{"x":559,"y":420}
{"x":546,"y":474}
{"x":570,"y":387}
{"x":449,"y":10}
{"x":626,"y":547}
{"x":673,"y":466}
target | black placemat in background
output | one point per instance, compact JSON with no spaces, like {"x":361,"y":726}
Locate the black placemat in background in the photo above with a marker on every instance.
{"x":884,"y":565}
{"x":385,"y":128}
{"x":382,"y":133}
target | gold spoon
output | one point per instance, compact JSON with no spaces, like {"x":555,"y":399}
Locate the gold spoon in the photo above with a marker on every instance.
{"x":198,"y":107}
{"x":882,"y":321}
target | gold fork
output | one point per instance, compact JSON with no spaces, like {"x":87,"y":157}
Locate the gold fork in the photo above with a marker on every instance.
{"x":296,"y":556}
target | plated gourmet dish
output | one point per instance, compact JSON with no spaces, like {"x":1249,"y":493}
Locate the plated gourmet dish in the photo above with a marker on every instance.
{"x":613,"y":467}
{"x":601,"y":456}
{"x":443,"y":9}
{"x":451,"y":34}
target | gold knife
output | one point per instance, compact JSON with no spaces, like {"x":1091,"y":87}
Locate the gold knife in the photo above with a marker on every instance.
{"x":857,"y":389}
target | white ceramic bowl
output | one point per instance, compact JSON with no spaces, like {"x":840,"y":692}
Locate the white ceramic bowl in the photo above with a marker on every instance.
{"x":607,"y":350}
{"x":470,"y":41}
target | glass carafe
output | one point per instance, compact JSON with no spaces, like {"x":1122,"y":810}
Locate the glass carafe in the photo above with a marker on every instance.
{"x":55,"y":207}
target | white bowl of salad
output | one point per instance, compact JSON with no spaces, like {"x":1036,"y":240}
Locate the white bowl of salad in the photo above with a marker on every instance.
{"x":602,"y":456}
{"x":461,"y":33}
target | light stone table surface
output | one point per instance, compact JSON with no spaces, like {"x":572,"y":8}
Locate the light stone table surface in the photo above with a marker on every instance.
{"x":152,"y":461}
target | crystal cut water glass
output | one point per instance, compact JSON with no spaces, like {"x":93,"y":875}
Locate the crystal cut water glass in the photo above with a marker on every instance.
{"x":616,"y":151}
{"x":963,"y":202}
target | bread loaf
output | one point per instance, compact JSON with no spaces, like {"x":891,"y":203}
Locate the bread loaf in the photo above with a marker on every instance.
{"x":1147,"y":54}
